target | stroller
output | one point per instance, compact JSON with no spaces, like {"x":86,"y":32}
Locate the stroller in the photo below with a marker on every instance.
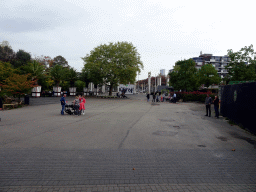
{"x":70,"y":109}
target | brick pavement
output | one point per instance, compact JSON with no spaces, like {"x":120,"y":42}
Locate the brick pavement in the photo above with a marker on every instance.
{"x":137,"y":187}
{"x":174,"y":165}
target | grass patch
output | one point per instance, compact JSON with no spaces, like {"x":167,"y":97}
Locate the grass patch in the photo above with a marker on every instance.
{"x":231,"y":122}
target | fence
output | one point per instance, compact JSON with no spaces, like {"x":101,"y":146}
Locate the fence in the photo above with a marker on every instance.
{"x":238,"y":103}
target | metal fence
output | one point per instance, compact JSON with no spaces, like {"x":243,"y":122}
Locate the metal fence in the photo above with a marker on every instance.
{"x":238,"y":103}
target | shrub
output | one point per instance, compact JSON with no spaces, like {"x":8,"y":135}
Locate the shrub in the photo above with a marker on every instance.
{"x":193,"y":96}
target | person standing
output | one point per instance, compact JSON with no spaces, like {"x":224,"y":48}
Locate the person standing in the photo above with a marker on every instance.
{"x":63,"y":103}
{"x":174,"y":97}
{"x":208,"y":101}
{"x":163,"y":96}
{"x":154,"y":97}
{"x":76,"y":106}
{"x":82,"y":103}
{"x":216,"y":103}
{"x":148,"y":97}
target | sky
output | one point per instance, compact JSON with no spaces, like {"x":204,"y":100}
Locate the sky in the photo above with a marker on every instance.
{"x":162,"y":31}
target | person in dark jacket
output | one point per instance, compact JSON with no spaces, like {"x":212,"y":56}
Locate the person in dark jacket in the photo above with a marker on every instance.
{"x":216,"y":103}
{"x":63,"y":103}
{"x":148,"y":96}
{"x":154,"y":97}
{"x":208,"y":101}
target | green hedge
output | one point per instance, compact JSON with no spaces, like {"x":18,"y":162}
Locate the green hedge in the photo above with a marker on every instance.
{"x":193,"y":96}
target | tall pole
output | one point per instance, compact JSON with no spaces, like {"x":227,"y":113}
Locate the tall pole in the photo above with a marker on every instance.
{"x":138,"y":82}
{"x":149,"y":81}
{"x":155,"y":82}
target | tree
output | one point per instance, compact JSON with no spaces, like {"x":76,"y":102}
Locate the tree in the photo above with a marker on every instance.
{"x":59,"y":60}
{"x":6,"y":52}
{"x":44,"y":60}
{"x":57,"y":73}
{"x":17,"y":85}
{"x":71,"y":76}
{"x":84,"y":76}
{"x":113,"y":64}
{"x":6,"y":70}
{"x":35,"y":69}
{"x":208,"y":75}
{"x":184,"y":76}
{"x":79,"y":85}
{"x":238,"y":70}
{"x":21,"y":59}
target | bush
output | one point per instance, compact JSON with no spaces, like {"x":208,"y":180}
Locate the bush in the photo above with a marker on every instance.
{"x":193,"y":96}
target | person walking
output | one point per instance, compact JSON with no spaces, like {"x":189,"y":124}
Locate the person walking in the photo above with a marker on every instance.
{"x":148,"y":96}
{"x":208,"y":101}
{"x":63,"y":103}
{"x":216,"y":103}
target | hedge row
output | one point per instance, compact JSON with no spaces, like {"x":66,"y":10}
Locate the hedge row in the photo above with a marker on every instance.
{"x":194,"y":96}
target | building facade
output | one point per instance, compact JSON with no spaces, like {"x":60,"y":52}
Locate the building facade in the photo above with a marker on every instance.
{"x":219,"y":62}
{"x":162,"y":72}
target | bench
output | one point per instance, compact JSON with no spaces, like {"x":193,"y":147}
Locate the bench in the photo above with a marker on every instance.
{"x":8,"y":105}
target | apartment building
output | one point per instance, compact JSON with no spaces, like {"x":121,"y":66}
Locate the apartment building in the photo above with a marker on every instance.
{"x":219,"y":62}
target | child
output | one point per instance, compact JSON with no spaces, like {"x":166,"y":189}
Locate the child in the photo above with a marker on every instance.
{"x":82,"y":108}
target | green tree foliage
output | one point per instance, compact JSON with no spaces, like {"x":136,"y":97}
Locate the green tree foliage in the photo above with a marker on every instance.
{"x":46,"y":81}
{"x":57,"y":73}
{"x":184,"y":76}
{"x":6,"y":70}
{"x":22,"y":58}
{"x":6,"y":52}
{"x":79,"y":85}
{"x":113,"y":64}
{"x":59,"y":60}
{"x":65,"y":85}
{"x":17,"y":85}
{"x":208,"y":75}
{"x":35,"y":69}
{"x":237,"y":69}
{"x":84,"y":76}
{"x":71,"y":76}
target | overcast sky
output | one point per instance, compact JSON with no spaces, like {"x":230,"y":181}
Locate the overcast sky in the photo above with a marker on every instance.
{"x":162,"y":31}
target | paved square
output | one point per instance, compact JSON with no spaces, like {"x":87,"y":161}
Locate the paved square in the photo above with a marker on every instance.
{"x":123,"y":145}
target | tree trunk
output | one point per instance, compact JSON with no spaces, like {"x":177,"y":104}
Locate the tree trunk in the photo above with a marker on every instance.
{"x":110,"y":90}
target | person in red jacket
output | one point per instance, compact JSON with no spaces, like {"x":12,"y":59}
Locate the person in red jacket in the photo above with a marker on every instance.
{"x":83,"y":101}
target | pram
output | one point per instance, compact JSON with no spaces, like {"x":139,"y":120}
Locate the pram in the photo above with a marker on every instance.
{"x":70,"y":109}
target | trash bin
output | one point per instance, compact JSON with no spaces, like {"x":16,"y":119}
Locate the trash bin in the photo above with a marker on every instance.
{"x":26,"y":100}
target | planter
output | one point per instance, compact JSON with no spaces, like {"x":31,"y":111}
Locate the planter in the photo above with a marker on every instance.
{"x":85,"y":91}
{"x":36,"y":91}
{"x":72,"y":91}
{"x":57,"y":91}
